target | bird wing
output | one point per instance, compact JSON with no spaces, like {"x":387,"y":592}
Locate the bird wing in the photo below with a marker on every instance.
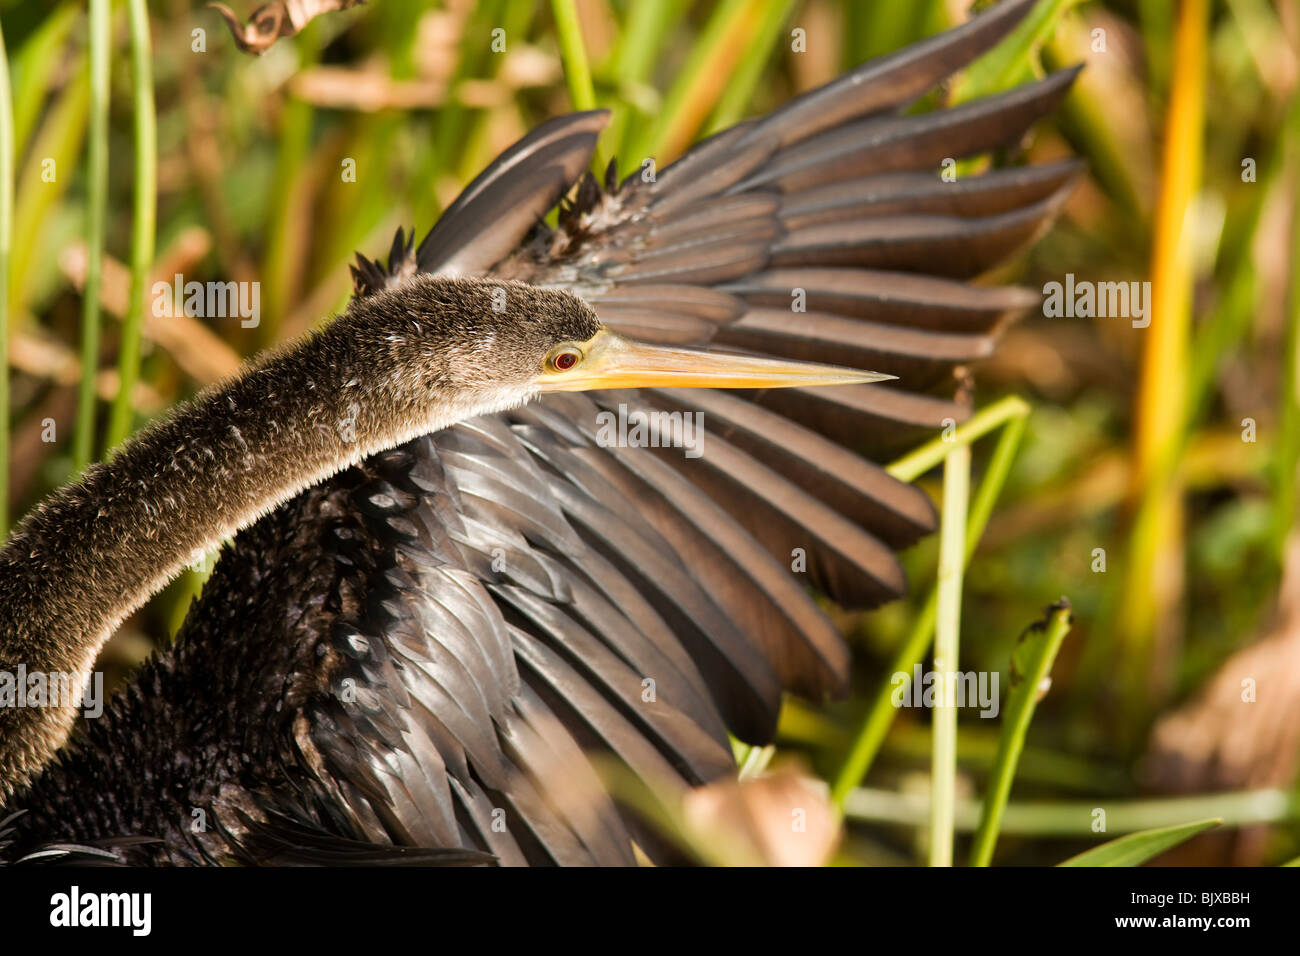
{"x":821,"y":232}
{"x":613,"y":564}
{"x":458,"y":623}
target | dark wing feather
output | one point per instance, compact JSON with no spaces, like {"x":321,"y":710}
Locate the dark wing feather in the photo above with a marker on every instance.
{"x":919,"y":141}
{"x":553,"y":155}
{"x":914,"y":194}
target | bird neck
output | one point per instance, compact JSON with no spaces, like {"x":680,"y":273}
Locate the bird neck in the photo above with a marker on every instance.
{"x":97,"y":549}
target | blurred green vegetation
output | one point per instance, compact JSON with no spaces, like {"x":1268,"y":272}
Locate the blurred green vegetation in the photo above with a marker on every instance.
{"x":1136,"y":442}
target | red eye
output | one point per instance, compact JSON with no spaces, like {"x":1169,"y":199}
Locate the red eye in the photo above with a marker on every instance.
{"x":563,"y":361}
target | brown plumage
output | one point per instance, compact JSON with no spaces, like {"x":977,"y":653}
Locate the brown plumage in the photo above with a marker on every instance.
{"x":390,"y":665}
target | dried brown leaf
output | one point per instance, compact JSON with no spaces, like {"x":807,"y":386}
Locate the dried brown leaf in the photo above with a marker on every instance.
{"x":271,"y":21}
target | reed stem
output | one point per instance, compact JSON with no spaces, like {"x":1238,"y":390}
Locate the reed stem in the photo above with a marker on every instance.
{"x":947,"y":631}
{"x":83,"y":440}
{"x":1031,"y":663}
{"x":143,"y":218}
{"x":1012,"y":414}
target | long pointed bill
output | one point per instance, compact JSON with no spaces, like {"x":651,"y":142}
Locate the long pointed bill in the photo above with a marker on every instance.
{"x":611,"y":361}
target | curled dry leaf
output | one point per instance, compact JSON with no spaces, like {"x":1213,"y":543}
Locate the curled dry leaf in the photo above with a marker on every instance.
{"x":271,"y":21}
{"x":782,"y":818}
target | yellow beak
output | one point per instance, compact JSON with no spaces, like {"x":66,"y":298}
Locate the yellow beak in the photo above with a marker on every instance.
{"x":611,"y":361}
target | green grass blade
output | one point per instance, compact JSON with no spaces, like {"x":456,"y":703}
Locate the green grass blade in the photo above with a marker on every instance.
{"x":143,"y":221}
{"x":1031,"y":663}
{"x":6,"y":243}
{"x":916,"y":463}
{"x":1286,"y":483}
{"x":35,"y":71}
{"x":573,"y":55}
{"x":698,"y":86}
{"x":56,"y":145}
{"x":1156,"y":21}
{"x":1011,"y":414}
{"x":287,"y":241}
{"x":631,"y":66}
{"x":648,"y":22}
{"x":1078,"y":818}
{"x":1012,"y":61}
{"x":577,"y":71}
{"x":1136,"y":848}
{"x":866,"y":745}
{"x":1222,"y":333}
{"x":101,"y":34}
{"x":740,"y":90}
{"x":877,"y":27}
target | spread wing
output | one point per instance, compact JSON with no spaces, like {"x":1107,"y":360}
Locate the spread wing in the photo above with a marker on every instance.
{"x":464,"y":618}
{"x":821,"y":232}
{"x":616,"y":564}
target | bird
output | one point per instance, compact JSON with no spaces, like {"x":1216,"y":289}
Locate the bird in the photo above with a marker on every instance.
{"x":454,"y":581}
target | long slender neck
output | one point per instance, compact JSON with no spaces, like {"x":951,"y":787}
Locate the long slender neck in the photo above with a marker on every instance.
{"x":98,"y":549}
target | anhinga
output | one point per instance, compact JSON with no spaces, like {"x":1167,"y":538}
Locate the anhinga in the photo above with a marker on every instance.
{"x":440,"y":588}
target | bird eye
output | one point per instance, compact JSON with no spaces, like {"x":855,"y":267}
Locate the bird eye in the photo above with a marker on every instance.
{"x":565,"y":359}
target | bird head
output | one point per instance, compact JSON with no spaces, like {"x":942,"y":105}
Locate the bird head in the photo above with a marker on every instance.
{"x":516,"y":336}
